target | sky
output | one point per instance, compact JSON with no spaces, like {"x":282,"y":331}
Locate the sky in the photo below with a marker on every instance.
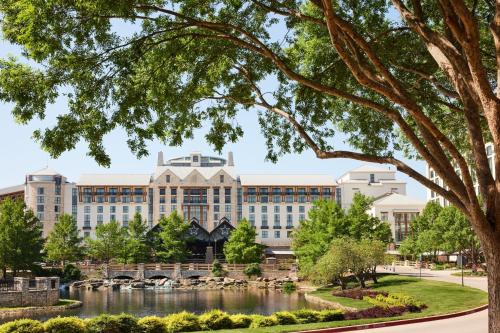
{"x":21,"y":154}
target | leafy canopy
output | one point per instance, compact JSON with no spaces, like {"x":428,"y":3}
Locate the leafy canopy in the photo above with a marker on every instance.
{"x":110,"y":242}
{"x":63,"y":243}
{"x":172,"y":240}
{"x":241,"y":247}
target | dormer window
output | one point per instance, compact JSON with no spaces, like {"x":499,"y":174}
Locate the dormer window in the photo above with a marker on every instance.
{"x":221,"y":178}
{"x":168,"y":179}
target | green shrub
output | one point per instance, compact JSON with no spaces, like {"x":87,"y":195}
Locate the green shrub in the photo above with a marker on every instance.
{"x":128,"y":323}
{"x":285,"y":318}
{"x":396,"y":299}
{"x":152,"y":324}
{"x":22,"y":326}
{"x":182,"y":322}
{"x":71,"y":273}
{"x":65,"y":325}
{"x":331,"y":315}
{"x":241,"y":320}
{"x":103,"y":324}
{"x":215,"y":320}
{"x":305,"y":316}
{"x":289,"y":287}
{"x":263,"y":321}
{"x":217,"y":270}
{"x":253,"y":270}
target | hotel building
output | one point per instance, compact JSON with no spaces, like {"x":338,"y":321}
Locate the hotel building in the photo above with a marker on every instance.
{"x":206,"y":191}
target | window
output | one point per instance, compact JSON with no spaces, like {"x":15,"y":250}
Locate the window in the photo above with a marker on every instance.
{"x":394,"y":190}
{"x":138,"y":209}
{"x":263,"y":209}
{"x":227,"y":208}
{"x":162,"y":208}
{"x":251,"y":219}
{"x":289,"y":234}
{"x":173,"y":195}
{"x":264,"y":194}
{"x":167,"y":178}
{"x":289,"y":209}
{"x":372,"y":178}
{"x":251,"y":209}
{"x":263,"y":220}
{"x":276,"y":195}
{"x":138,"y":199}
{"x":58,"y":190}
{"x":289,"y":194}
{"x":125,"y":220}
{"x":40,"y":208}
{"x":40,"y":199}
{"x":384,"y":216}
{"x":314,"y":194}
{"x":112,"y":217}
{"x":265,"y":234}
{"x":195,"y":195}
{"x":86,"y":234}
{"x":277,"y":234}
{"x":227,"y":195}
{"x":289,"y":220}
{"x":86,"y":220}
{"x":302,"y":217}
{"x":100,"y":209}
{"x":40,"y":191}
{"x":40,"y":216}
{"x":195,"y":158}
{"x":87,"y":195}
{"x":302,"y":209}
{"x":216,"y":208}
{"x":162,"y":191}
{"x":221,"y":178}
{"x":173,"y":208}
{"x":58,"y":200}
{"x":276,"y":220}
{"x":302,"y":194}
{"x":327,"y":193}
{"x":276,"y":209}
{"x":252,"y":195}
{"x":100,"y":195}
{"x":338,"y":196}
{"x":125,"y":195}
{"x":86,"y":209}
{"x":125,"y":209}
{"x":100,"y":219}
{"x":216,"y":192}
{"x":112,"y":209}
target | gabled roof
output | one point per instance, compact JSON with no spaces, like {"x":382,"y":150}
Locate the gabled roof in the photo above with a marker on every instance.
{"x":11,"y":189}
{"x":287,"y":180}
{"x":396,"y":199}
{"x":114,"y":179}
{"x":45,"y":172}
{"x":184,"y":171}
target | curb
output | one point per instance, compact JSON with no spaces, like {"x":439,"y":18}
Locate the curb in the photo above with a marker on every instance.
{"x":397,"y":322}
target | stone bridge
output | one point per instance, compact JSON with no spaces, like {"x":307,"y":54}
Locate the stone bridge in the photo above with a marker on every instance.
{"x":148,"y":271}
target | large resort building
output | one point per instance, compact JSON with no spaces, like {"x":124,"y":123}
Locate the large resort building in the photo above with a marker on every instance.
{"x":209,"y":194}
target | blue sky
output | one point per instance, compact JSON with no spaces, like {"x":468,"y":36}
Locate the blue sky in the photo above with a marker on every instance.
{"x":22,"y":155}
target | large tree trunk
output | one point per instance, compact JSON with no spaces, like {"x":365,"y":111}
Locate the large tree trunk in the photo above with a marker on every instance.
{"x":492,"y":256}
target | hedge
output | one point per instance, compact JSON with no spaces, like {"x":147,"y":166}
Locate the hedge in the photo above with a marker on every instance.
{"x":385,"y":306}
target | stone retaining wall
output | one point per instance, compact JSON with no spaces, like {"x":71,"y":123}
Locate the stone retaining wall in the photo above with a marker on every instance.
{"x":44,"y":293}
{"x":7,"y":315}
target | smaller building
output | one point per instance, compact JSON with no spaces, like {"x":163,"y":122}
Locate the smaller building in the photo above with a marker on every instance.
{"x":399,"y":211}
{"x":13,"y":192}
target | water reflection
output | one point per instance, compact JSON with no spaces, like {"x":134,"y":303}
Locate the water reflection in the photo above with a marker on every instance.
{"x":161,"y":302}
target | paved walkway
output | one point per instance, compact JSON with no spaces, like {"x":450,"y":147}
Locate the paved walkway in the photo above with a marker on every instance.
{"x":474,"y":323}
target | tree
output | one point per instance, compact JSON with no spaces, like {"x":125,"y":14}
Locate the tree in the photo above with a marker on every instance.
{"x":241,"y":247}
{"x":171,"y":243}
{"x":326,"y":221}
{"x":110,"y":242}
{"x":363,"y":226}
{"x":138,"y":245}
{"x":20,"y":237}
{"x":63,"y":243}
{"x":336,"y":69}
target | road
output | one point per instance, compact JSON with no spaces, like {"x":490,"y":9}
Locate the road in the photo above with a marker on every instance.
{"x":474,"y":323}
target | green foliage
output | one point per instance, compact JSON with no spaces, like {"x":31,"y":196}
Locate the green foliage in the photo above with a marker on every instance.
{"x":138,"y":245}
{"x":110,"y":242}
{"x":103,"y":323}
{"x":171,"y":242}
{"x":285,"y":318}
{"x":152,"y":324}
{"x":263,"y":321}
{"x":327,"y":221}
{"x":20,"y":236}
{"x":182,"y":322}
{"x":65,"y":325}
{"x":331,"y":315}
{"x":252,"y":270}
{"x":305,"y":316}
{"x":22,"y":326}
{"x":128,"y":323}
{"x":71,"y":273}
{"x":217,"y":270}
{"x":241,"y":320}
{"x":241,"y":247}
{"x":289,"y":287}
{"x":215,"y":320}
{"x":396,"y":299}
{"x":63,"y":243}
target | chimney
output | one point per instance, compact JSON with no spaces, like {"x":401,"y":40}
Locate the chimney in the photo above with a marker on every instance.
{"x":160,"y":159}
{"x":230,"y":159}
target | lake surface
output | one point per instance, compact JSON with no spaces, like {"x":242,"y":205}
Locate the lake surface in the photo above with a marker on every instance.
{"x":145,"y":302}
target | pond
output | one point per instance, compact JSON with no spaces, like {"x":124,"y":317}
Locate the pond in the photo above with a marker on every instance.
{"x":145,"y":302}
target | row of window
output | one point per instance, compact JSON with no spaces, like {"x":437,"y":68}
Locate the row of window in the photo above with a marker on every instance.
{"x":277,"y":234}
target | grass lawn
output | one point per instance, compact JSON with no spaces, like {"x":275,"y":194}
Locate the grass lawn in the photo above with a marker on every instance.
{"x":440,"y":298}
{"x":61,"y":302}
